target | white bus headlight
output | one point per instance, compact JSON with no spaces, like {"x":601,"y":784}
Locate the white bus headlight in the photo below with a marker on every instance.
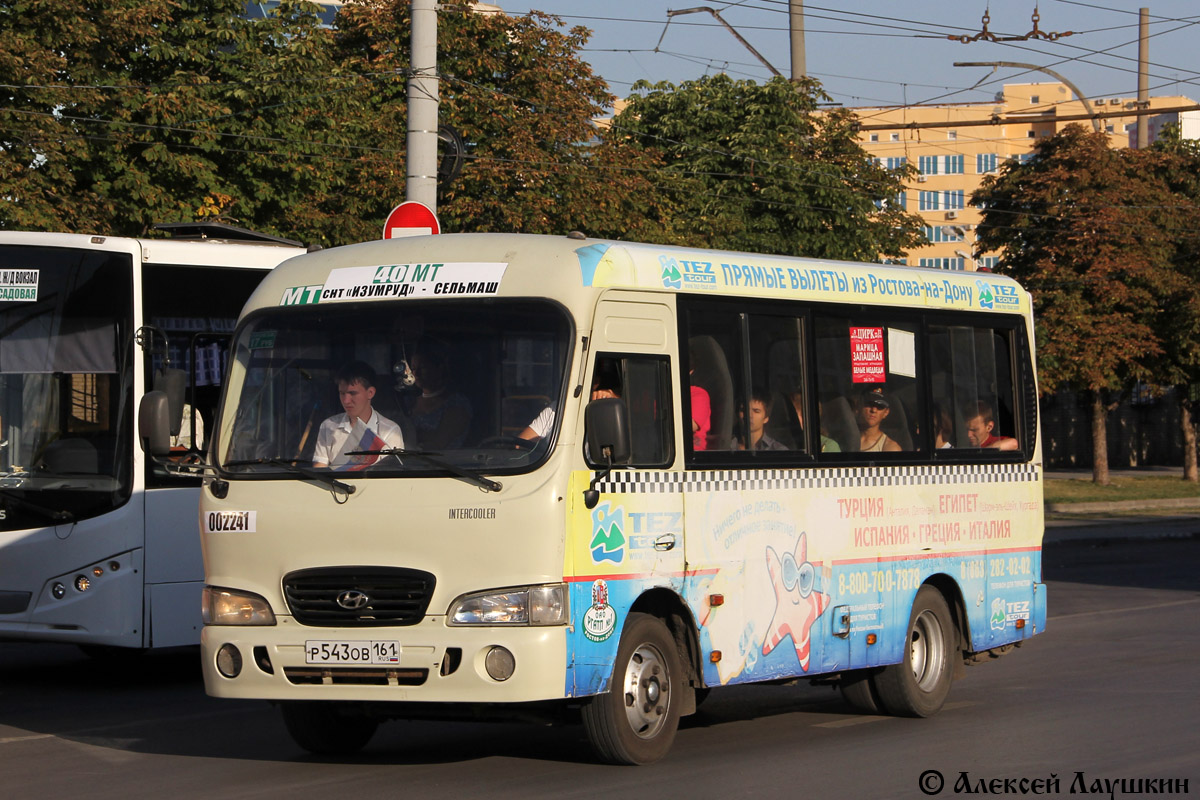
{"x":220,"y":606}
{"x":532,"y":605}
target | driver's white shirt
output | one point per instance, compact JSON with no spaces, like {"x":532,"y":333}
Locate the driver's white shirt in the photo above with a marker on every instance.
{"x":331,"y":438}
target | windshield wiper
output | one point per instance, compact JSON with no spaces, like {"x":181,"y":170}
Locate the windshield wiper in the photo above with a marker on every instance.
{"x":438,"y":461}
{"x":48,"y":513}
{"x":312,"y":474}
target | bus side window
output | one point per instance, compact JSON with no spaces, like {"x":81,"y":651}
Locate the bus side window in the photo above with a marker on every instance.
{"x":971,"y":375}
{"x":644,"y":383}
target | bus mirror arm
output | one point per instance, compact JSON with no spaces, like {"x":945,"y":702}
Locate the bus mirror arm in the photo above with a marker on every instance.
{"x":591,"y":496}
{"x":607,"y":433}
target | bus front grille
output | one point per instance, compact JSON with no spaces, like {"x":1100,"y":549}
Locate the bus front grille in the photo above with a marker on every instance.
{"x":355,"y":676}
{"x":358,"y":597}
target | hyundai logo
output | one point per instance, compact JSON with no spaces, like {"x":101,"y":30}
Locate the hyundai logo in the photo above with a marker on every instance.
{"x":352,"y":599}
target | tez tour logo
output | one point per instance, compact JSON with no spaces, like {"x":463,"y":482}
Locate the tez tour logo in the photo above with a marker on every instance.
{"x":608,"y":535}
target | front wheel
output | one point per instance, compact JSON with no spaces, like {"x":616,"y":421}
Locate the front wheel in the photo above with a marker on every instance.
{"x":918,"y":685}
{"x":635,"y":721}
{"x":326,"y":728}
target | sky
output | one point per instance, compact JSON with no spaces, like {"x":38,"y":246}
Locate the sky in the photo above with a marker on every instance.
{"x":891,"y":52}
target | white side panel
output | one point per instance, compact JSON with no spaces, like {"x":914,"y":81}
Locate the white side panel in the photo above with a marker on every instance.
{"x":173,"y":611}
{"x":172,"y":535}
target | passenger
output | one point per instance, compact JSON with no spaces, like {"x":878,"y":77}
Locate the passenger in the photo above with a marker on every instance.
{"x":701,"y":409}
{"x":943,"y":427}
{"x":440,"y":415}
{"x":828,"y":445}
{"x":981,"y":427}
{"x":760,"y":415}
{"x":873,"y":409}
{"x":359,"y":427}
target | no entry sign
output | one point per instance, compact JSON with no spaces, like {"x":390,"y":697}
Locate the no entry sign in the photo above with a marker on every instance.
{"x":410,"y":218}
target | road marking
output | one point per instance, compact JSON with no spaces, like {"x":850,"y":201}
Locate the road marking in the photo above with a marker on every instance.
{"x":12,"y":739}
{"x":845,"y":723}
{"x":1125,"y":610}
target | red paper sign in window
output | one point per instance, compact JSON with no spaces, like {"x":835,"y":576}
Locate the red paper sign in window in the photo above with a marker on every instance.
{"x":866,"y":355}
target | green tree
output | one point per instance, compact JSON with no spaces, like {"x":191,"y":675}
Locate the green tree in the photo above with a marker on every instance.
{"x":1082,"y":226}
{"x":128,"y":112}
{"x":1177,"y":162}
{"x":756,"y":167}
{"x":524,"y":102}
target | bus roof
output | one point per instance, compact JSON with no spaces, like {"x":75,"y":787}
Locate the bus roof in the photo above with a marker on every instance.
{"x":197,"y":252}
{"x":573,"y":270}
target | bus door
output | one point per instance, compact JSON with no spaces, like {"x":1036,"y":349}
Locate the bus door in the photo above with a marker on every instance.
{"x":631,"y":542}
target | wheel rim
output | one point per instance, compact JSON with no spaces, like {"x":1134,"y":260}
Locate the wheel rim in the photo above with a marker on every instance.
{"x":647,"y":691}
{"x":927,"y":651}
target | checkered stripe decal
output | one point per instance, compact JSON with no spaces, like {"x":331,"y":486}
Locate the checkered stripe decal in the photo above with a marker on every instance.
{"x":856,"y":477}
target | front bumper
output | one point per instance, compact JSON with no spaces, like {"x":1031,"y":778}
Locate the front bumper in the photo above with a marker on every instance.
{"x":438,"y":663}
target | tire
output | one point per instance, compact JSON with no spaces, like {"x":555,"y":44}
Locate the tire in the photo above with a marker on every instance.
{"x":327,"y":729}
{"x":918,"y":685}
{"x":635,"y":721}
{"x":858,"y":689}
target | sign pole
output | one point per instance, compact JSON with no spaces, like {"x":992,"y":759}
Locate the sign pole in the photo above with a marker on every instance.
{"x":421,"y":167}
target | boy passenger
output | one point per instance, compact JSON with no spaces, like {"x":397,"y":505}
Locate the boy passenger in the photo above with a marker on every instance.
{"x":760,"y":415}
{"x":359,"y":427}
{"x":980,"y":429}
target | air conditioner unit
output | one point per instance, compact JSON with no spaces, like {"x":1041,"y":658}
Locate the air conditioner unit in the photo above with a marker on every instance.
{"x":951,"y":215}
{"x":1099,"y":102}
{"x":922,"y":178}
{"x":1116,"y":101}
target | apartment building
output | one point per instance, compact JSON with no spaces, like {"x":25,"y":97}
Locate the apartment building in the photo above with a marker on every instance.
{"x":953,"y":157}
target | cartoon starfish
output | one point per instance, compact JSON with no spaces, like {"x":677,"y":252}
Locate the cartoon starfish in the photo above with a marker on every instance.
{"x":797,"y":603}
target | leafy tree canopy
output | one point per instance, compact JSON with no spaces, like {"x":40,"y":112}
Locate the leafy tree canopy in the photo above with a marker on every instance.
{"x":755,"y":167}
{"x":1082,"y":226}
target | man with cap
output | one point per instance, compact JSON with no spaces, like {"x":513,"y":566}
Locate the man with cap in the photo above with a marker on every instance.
{"x":873,"y":409}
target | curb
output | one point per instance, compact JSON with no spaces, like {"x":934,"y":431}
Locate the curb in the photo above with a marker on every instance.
{"x":1124,"y":505}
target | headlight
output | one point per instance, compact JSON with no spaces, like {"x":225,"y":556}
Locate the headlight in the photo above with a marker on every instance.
{"x":230,"y":607}
{"x":530,"y":605}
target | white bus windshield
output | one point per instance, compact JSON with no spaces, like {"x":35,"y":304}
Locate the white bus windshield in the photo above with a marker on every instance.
{"x":65,"y":340}
{"x":433,"y":387}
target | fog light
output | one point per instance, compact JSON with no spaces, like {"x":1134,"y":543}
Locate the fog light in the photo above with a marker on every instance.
{"x":58,"y":591}
{"x":229,"y":661}
{"x":82,"y":583}
{"x":499,"y":664}
{"x":97,"y":571}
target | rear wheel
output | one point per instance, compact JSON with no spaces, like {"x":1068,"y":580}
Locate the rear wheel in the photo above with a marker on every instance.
{"x":859,"y":691}
{"x":918,"y":685}
{"x":635,"y":721}
{"x":328,"y":729}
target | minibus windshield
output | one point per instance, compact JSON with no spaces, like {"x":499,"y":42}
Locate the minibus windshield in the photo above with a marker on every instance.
{"x":407,"y":387}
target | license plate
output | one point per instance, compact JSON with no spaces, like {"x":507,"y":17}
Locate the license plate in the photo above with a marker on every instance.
{"x":325,"y":652}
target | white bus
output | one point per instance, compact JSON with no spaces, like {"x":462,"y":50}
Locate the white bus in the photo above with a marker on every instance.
{"x":529,"y":548}
{"x":97,"y":546}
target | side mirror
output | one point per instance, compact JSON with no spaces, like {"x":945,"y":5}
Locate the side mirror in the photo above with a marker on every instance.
{"x":607,"y":425}
{"x":154,"y":424}
{"x":172,"y":382}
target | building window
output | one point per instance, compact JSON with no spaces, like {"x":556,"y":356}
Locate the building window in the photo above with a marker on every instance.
{"x":986,"y":163}
{"x":951,"y":134}
{"x":895,"y":137}
{"x":1035,"y":98}
{"x":940,"y":165}
{"x":988,"y":262}
{"x":874,"y":137}
{"x":936,"y":201}
{"x":1032,"y":134}
{"x":955,"y":264}
{"x":942,"y":233}
{"x":899,"y":201}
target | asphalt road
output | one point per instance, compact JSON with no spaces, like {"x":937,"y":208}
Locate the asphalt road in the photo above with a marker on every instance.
{"x":1108,"y":691}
